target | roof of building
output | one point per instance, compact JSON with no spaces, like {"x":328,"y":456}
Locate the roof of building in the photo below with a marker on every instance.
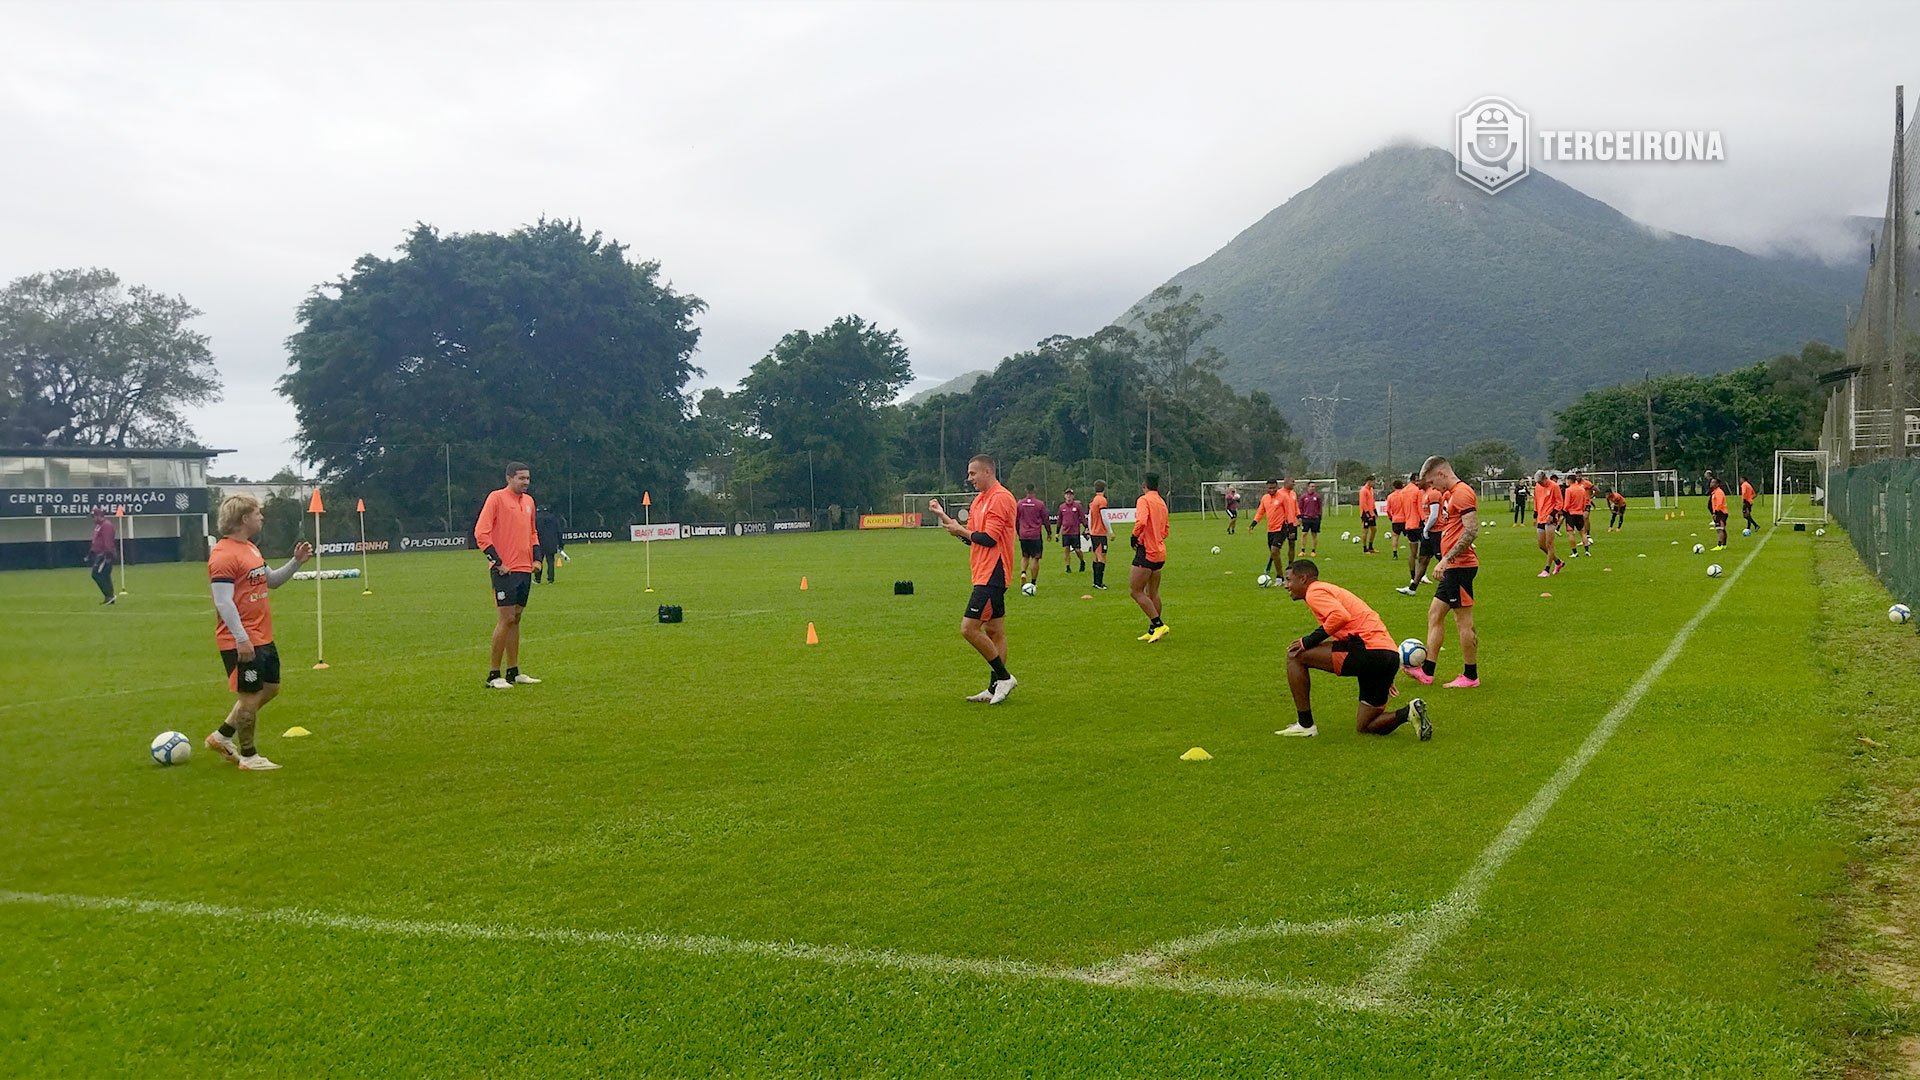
{"x":111,"y":451}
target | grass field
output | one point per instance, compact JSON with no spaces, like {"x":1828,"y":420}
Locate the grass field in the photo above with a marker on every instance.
{"x":712,"y":848}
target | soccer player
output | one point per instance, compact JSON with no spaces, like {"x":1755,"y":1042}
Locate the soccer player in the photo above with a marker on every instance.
{"x":546,"y":531}
{"x":1396,"y":513}
{"x":243,"y":627}
{"x":1310,"y":506}
{"x":989,"y":535}
{"x":1149,"y":555}
{"x":1574,"y":516}
{"x":1459,"y":563}
{"x":1272,"y":511}
{"x":1746,"y":504}
{"x":1519,"y":503}
{"x":1420,"y":506}
{"x":1369,"y":516}
{"x":1097,"y":533}
{"x":1030,"y":517}
{"x":1546,"y":514}
{"x":101,"y":555}
{"x":1616,"y":511}
{"x":1073,"y":519}
{"x":1717,"y":502}
{"x":505,"y":533}
{"x":1233,"y":507}
{"x":1352,"y":642}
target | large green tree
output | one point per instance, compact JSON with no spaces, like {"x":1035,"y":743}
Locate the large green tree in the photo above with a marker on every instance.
{"x":818,"y":409}
{"x":547,"y":345}
{"x":85,"y":360}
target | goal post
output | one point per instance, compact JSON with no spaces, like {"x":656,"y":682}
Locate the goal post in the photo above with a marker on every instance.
{"x":1213,"y":494}
{"x":1800,"y":483}
{"x":1662,"y":486}
{"x":956,"y":502}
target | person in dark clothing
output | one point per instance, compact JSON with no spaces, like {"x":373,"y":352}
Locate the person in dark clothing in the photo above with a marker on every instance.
{"x":547,"y":526}
{"x":101,"y":556}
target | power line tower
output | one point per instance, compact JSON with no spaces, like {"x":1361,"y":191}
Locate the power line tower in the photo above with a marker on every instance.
{"x":1320,"y":451}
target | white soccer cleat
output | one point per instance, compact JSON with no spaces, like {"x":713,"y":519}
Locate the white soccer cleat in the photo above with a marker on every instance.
{"x":498,"y":683}
{"x":983,"y":696}
{"x":223,"y":746}
{"x":1001,"y":689}
{"x":256,"y":763}
{"x":1419,"y":709}
{"x":1407,"y":590}
{"x":1297,"y":730}
{"x":524,"y":679}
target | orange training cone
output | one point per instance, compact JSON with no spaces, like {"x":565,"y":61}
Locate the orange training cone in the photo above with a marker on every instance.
{"x":813,"y":637}
{"x":803,"y":583}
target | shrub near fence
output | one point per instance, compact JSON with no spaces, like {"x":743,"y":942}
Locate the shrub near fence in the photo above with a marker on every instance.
{"x":1878,"y":505}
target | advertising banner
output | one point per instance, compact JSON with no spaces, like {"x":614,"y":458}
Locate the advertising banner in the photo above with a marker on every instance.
{"x":589,"y":536}
{"x":792,"y":526}
{"x":436,"y":542}
{"x":889,"y":521}
{"x":81,"y":502}
{"x":752,"y":528}
{"x":660,"y":530}
{"x":1119,"y":515}
{"x":705,"y":529}
{"x":355,"y":547}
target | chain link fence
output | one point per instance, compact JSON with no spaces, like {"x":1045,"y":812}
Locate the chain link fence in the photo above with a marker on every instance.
{"x":1879,"y":506}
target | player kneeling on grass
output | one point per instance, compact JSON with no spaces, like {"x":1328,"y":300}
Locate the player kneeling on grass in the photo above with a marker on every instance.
{"x":1351,"y":642}
{"x":244,"y":629}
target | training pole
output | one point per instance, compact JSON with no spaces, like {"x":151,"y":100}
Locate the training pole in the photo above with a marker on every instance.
{"x":319,"y":619}
{"x":646,"y":517}
{"x":122,"y":536}
{"x":366,"y":580}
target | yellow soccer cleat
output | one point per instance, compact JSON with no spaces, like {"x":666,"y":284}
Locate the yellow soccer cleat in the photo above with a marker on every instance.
{"x":1159,"y":633}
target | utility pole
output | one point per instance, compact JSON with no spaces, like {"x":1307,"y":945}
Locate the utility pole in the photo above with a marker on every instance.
{"x":943,"y":446}
{"x":448,"y":448}
{"x":1653,"y":455}
{"x":1149,"y":466}
{"x":1389,"y":431}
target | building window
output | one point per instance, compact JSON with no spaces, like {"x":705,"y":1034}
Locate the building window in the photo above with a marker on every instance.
{"x":59,"y":472}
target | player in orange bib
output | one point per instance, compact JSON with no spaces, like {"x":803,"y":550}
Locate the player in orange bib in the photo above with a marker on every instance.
{"x":1369,"y":516}
{"x":1616,"y":511}
{"x":1575,"y":505}
{"x":505,"y":532}
{"x":1395,"y":514}
{"x":1459,"y":564}
{"x":243,"y":626}
{"x":1150,"y":555}
{"x":1746,"y":504}
{"x":1351,"y":641}
{"x":1717,"y":503}
{"x":1546,"y":516}
{"x":1098,"y":534}
{"x":991,"y":539}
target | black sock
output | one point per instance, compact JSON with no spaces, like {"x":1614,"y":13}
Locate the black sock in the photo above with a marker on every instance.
{"x":1099,"y":573}
{"x":1473,"y":671}
{"x":1306,"y":717}
{"x":1155,"y":623}
{"x":1428,"y":668}
{"x":248,"y":751}
{"x":999,"y":666}
{"x":494,"y":674}
{"x":513,"y":673}
{"x":1402,"y":712}
{"x":228,"y":730}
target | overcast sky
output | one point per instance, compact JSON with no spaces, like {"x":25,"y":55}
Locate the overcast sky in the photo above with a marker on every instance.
{"x":978,"y":175}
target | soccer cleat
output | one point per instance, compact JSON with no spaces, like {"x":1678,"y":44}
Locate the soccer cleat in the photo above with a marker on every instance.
{"x":1408,"y":590}
{"x":1462,"y":683}
{"x":1418,"y":675}
{"x":1545,"y":573}
{"x":1428,"y":579}
{"x":498,"y":683}
{"x":1558,"y":566}
{"x":1159,"y":632}
{"x":983,"y":696}
{"x":1718,"y":547}
{"x":256,"y":763}
{"x":1419,"y":710}
{"x":524,"y":679}
{"x":223,"y":746}
{"x":1001,"y":689}
{"x":1102,"y":588}
{"x":1301,"y":732}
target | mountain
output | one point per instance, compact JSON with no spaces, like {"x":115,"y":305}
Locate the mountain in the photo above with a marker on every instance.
{"x":1487,"y":312}
{"x":959,"y":384}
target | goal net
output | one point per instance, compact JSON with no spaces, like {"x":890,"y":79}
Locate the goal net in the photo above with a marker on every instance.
{"x":1213,"y":495}
{"x":1663,"y":486}
{"x":1498,"y":491}
{"x":956,"y":502}
{"x":1800,"y":486}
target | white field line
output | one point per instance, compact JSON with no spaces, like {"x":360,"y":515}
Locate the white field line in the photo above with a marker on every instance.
{"x":1143,"y":963}
{"x":706,"y":945}
{"x":1454,"y":910}
{"x":477,"y":647}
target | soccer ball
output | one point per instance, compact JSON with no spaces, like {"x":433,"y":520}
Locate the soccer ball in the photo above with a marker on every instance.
{"x":1346,"y":536}
{"x":1216,"y":551}
{"x":1899,"y":613}
{"x":1263,"y":581}
{"x":1746,"y":532}
{"x":1413,"y":652}
{"x":171,"y":748}
{"x":1699,"y":549}
{"x":1714,"y":570}
{"x":1819,"y":532}
{"x":1030,"y":588}
{"x":1356,"y":539}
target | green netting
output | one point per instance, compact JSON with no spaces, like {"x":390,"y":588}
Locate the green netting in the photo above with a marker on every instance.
{"x":1879,"y":506}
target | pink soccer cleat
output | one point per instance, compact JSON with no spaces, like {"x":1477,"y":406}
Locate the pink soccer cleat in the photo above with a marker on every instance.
{"x":1462,"y":683}
{"x":1418,"y":675}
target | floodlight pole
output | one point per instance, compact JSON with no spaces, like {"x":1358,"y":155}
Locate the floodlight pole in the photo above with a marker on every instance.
{"x":447,"y":448}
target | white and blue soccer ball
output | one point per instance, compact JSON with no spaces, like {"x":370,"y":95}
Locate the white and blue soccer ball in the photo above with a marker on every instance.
{"x":171,"y":748}
{"x":1413,"y":652}
{"x":1216,"y":549}
{"x":1356,"y":539}
{"x":1819,"y":532}
{"x":1346,"y":536}
{"x":1263,"y":581}
{"x":1714,"y":570}
{"x":1899,"y":613}
{"x":1030,"y":588}
{"x":1746,"y":532}
{"x":1699,"y":549}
